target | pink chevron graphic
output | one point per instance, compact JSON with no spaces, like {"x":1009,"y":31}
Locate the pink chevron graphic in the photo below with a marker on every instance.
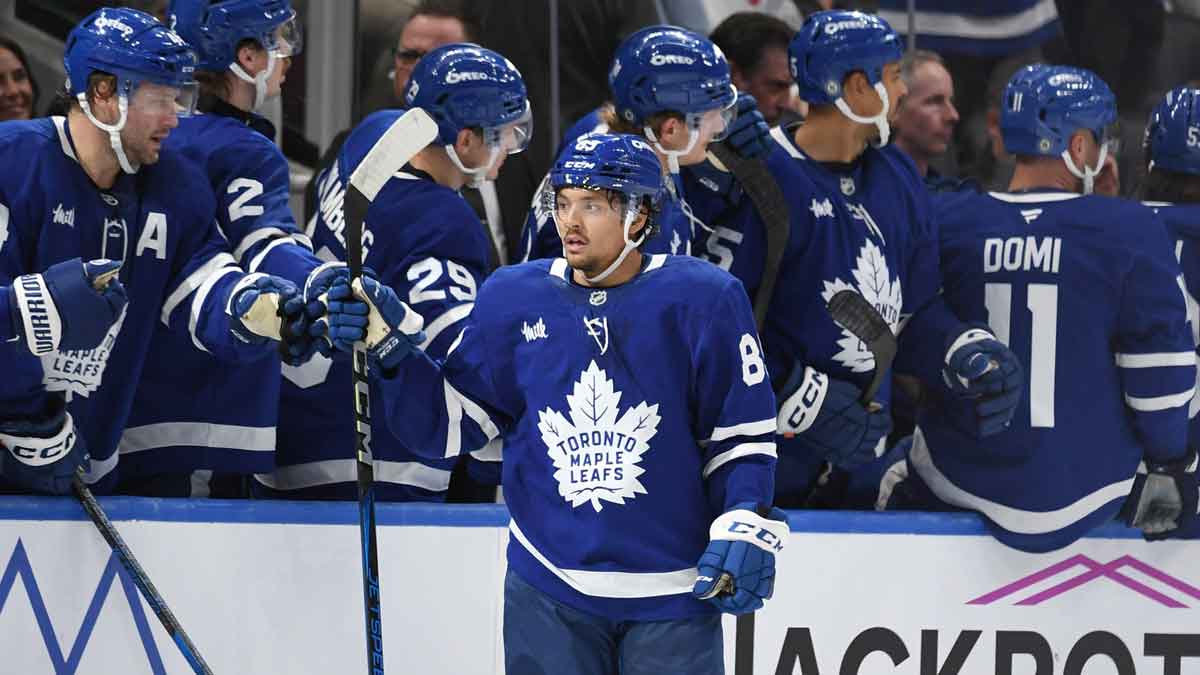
{"x":1095,"y":570}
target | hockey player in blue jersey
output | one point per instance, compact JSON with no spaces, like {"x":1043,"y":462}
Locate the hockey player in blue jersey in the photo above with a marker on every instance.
{"x":191,"y":442}
{"x":637,"y":421}
{"x":859,"y":220}
{"x":98,"y":183}
{"x":1085,"y":289}
{"x":424,"y":241}
{"x":672,"y":87}
{"x":1172,"y":188}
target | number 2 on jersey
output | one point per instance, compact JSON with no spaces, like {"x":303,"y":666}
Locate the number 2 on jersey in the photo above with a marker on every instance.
{"x":1042,"y":302}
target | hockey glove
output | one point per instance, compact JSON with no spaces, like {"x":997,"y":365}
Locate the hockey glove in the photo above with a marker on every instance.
{"x":737,"y":570}
{"x":980,"y":367}
{"x":392,"y":329}
{"x":827,"y":414}
{"x":748,"y":134}
{"x":42,"y":455}
{"x":259,"y":305}
{"x":322,"y":299}
{"x":1164,"y":499}
{"x":69,"y":306}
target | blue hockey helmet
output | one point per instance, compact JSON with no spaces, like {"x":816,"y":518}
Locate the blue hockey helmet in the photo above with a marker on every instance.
{"x":671,"y":69}
{"x":133,"y":47}
{"x":1043,"y":106}
{"x":832,"y":45}
{"x":1173,"y":133}
{"x":621,"y":163}
{"x":465,"y":86}
{"x":215,"y":28}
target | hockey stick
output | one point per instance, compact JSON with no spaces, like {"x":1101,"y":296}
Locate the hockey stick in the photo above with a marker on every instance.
{"x":411,"y":132}
{"x":851,"y":311}
{"x":130,"y":563}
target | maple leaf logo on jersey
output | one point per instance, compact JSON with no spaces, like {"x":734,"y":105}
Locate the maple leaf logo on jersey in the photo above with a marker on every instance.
{"x":874,"y":282}
{"x":80,"y":372}
{"x":595,"y":454}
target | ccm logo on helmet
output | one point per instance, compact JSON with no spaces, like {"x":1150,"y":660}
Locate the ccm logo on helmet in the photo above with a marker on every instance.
{"x":115,"y":24}
{"x":664,"y":59}
{"x":831,"y":28}
{"x":456,"y":77}
{"x":579,"y":164}
{"x":1063,"y":78}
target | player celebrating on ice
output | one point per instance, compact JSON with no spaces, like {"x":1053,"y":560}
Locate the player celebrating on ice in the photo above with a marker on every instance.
{"x":672,"y":87}
{"x":637,"y":420}
{"x":98,"y":184}
{"x":860,"y":220}
{"x":200,"y":445}
{"x":424,"y":241}
{"x":1084,"y":288}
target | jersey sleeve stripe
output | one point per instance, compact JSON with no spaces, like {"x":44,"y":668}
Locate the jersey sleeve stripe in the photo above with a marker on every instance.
{"x":1159,"y":360}
{"x":737,"y":452}
{"x":333,"y":471}
{"x":192,"y":282}
{"x":1151,"y":404}
{"x":254,"y":237}
{"x":198,"y":302}
{"x":197,"y":434}
{"x":492,"y":452}
{"x":257,"y":260}
{"x":746,"y":429}
{"x":447,"y":319}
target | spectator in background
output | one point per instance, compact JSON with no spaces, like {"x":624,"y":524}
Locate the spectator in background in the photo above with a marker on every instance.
{"x":926,"y":117}
{"x":756,"y":46}
{"x":18,"y":91}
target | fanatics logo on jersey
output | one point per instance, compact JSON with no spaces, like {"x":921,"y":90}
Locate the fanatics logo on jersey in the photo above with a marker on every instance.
{"x":64,"y":216}
{"x":598,"y":298}
{"x":535,"y":332}
{"x":1030,"y":215}
{"x":598,"y":329}
{"x":873,"y":280}
{"x":596,"y":455}
{"x":821,"y":209}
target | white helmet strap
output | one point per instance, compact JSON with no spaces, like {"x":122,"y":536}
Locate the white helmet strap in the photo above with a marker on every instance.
{"x":478,"y":174}
{"x":113,"y":130}
{"x":260,"y":80}
{"x":1089,"y":173}
{"x":880,"y":120}
{"x":673,"y":155}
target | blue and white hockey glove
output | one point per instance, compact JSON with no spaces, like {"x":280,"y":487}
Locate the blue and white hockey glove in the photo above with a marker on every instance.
{"x":980,"y":367}
{"x":827,"y":414}
{"x":748,"y":134}
{"x":1164,"y":498}
{"x":737,"y":570}
{"x":42,"y":455}
{"x":69,"y":306}
{"x":390,"y":329}
{"x":327,"y":291}
{"x":260,"y":304}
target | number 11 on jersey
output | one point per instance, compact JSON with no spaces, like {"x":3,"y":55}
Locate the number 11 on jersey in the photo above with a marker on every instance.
{"x":1042,"y":303}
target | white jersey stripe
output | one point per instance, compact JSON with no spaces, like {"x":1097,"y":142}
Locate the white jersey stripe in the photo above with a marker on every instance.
{"x":746,"y":429}
{"x":447,"y":319}
{"x":737,"y":452}
{"x":192,"y":282}
{"x":1151,"y":404}
{"x":332,"y":471}
{"x":197,"y":434}
{"x":1160,"y":360}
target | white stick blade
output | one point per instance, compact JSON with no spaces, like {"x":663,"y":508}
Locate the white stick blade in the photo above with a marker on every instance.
{"x":411,"y":132}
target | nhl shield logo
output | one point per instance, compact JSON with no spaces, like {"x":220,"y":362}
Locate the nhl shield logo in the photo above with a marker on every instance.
{"x":597,"y":454}
{"x":848,"y":186}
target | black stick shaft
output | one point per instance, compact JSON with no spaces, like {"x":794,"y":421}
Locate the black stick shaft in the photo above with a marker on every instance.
{"x":355,"y":210}
{"x":140,"y":579}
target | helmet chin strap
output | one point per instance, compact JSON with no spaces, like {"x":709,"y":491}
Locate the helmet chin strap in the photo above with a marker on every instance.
{"x":673,"y":155}
{"x":880,"y":121}
{"x":113,"y":130}
{"x":1088,"y":174}
{"x":479,"y":174}
{"x":260,"y":80}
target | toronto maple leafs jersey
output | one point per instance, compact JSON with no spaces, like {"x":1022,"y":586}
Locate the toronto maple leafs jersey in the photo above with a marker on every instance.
{"x":426,"y":243}
{"x":631,"y":417}
{"x":1183,"y":224}
{"x":677,"y":223}
{"x":51,"y":211}
{"x":1085,"y":291}
{"x":172,"y":430}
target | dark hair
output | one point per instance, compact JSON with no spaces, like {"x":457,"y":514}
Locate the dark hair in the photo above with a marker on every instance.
{"x":1161,"y":185}
{"x":12,"y":46}
{"x":744,"y":36}
{"x":451,"y":9}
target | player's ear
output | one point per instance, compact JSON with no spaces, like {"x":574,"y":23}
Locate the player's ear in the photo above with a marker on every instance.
{"x":1078,"y":146}
{"x":251,"y":57}
{"x":466,"y":141}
